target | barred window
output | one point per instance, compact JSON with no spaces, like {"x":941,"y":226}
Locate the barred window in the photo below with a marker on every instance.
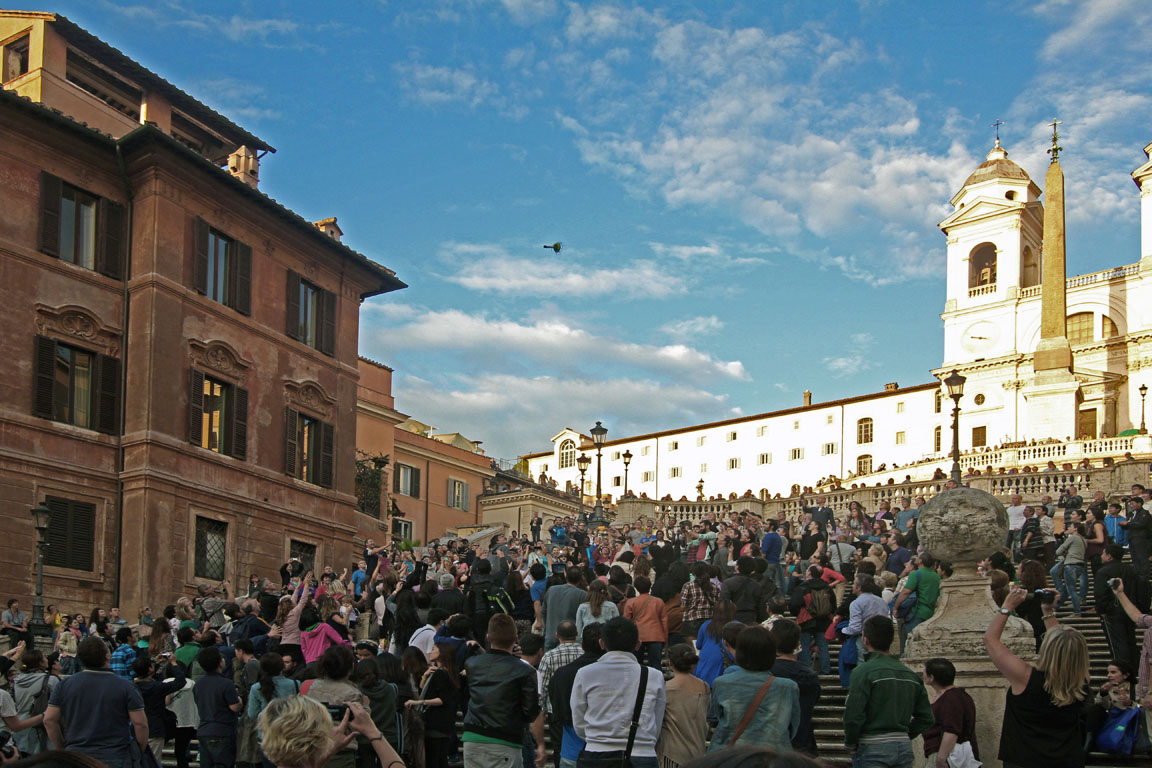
{"x":305,"y":552}
{"x":211,"y":548}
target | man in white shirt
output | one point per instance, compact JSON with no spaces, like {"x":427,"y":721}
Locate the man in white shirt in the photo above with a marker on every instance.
{"x":425,"y":637}
{"x":1015,"y":520}
{"x":604,"y":699}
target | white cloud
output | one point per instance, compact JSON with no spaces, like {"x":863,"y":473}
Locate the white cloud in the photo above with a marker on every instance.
{"x":693,"y":327}
{"x":542,"y":345}
{"x":434,"y":86}
{"x":490,"y":268}
{"x":597,"y":23}
{"x":529,"y":11}
{"x":855,"y":360}
{"x":626,"y":406}
{"x":1089,"y":23}
{"x":251,"y":30}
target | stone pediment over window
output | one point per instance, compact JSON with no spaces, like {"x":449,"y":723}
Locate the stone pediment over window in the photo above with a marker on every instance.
{"x":219,"y":358}
{"x":71,"y":323}
{"x":310,"y":396}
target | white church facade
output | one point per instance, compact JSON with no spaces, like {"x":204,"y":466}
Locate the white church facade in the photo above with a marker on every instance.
{"x":995,"y":299}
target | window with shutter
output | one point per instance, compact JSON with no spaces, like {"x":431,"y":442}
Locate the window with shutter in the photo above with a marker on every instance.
{"x":113,"y":245}
{"x":327,"y":455}
{"x":200,"y":255}
{"x":76,"y":386}
{"x":242,"y":276}
{"x":51,"y":189}
{"x":222,"y":268}
{"x":309,"y":449}
{"x":195,"y":407}
{"x":82,"y":228}
{"x":407,"y":481}
{"x":327,"y":323}
{"x":71,"y":534}
{"x":292,"y":302}
{"x":291,"y":449}
{"x":211,"y":548}
{"x":239,"y":428}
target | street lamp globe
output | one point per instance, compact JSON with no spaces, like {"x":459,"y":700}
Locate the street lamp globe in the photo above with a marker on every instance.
{"x":599,"y":432}
{"x":955,"y":384}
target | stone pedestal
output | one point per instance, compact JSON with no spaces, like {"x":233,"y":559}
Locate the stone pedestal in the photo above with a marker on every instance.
{"x":964,"y":526}
{"x":1053,"y":403}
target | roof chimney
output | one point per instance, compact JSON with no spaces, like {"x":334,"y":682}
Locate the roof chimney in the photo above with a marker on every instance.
{"x":891,"y":387}
{"x":245,"y":165}
{"x":329,"y":227}
{"x":807,"y":398}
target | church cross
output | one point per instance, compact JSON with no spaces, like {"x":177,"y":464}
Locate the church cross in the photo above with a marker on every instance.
{"x":996,"y":125}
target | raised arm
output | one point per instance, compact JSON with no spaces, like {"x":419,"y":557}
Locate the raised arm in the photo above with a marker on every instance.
{"x":1015,"y":670}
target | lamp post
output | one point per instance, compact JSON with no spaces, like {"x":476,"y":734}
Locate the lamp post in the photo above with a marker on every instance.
{"x":599,"y":432}
{"x":38,"y":628}
{"x":955,"y":384}
{"x":378,"y":463}
{"x":627,"y":460}
{"x":582,"y":463}
{"x":1143,"y":393}
{"x":700,"y":490}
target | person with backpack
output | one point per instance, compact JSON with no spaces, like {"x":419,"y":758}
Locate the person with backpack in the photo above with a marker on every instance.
{"x":813,"y":603}
{"x":31,"y":690}
{"x":924,"y":582}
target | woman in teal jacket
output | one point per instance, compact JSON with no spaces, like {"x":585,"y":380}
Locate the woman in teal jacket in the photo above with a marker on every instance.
{"x":776,"y":718}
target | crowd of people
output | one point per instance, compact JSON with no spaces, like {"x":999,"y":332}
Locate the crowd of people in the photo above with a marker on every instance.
{"x":566,"y":630}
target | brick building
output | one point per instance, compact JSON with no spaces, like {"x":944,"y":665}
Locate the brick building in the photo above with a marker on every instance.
{"x":180,"y":349}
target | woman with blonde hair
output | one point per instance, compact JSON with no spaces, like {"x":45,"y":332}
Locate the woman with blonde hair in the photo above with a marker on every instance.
{"x":876,"y":555}
{"x":1045,"y":701}
{"x":298,"y":733}
{"x":597,"y":608}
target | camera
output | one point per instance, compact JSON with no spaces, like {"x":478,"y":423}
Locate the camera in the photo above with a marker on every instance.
{"x":1046,"y":597}
{"x":7,"y":748}
{"x":336,"y":711}
{"x":1114,"y":584}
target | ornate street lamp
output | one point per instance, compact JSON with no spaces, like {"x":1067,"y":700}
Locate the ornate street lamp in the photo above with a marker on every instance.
{"x":1143,"y":393}
{"x":378,"y":463}
{"x":627,"y":460}
{"x":38,"y":628}
{"x":582,"y":463}
{"x":599,"y":432}
{"x":700,"y":490}
{"x":955,"y":385}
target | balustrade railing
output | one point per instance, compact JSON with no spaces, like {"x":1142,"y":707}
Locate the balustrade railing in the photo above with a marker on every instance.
{"x":982,"y":290}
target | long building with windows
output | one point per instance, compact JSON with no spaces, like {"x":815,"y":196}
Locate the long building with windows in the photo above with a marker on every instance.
{"x":181,"y":350}
{"x":1005,"y":276}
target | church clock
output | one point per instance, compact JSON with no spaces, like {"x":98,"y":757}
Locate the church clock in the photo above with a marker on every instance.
{"x":980,"y":337}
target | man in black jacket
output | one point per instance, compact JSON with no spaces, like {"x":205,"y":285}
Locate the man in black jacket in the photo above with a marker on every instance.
{"x":1139,"y":529}
{"x":1118,"y":628}
{"x":745,"y":592}
{"x":503,"y":700}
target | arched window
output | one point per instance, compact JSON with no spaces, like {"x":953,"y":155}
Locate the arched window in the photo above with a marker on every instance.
{"x":1079,"y":328}
{"x":936,"y":436}
{"x":1108,"y":329}
{"x":864,"y":464}
{"x":982,"y":265}
{"x":864,"y":431}
{"x":567,"y":454}
{"x":1029,"y":268}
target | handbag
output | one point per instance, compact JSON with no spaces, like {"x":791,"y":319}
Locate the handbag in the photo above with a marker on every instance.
{"x":748,"y":713}
{"x":962,"y":756}
{"x":1118,"y":734}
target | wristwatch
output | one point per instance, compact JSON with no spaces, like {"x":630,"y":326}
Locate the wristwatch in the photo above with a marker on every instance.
{"x":1006,"y":611}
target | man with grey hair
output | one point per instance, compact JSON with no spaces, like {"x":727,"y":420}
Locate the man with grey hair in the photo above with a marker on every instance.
{"x":212,"y":604}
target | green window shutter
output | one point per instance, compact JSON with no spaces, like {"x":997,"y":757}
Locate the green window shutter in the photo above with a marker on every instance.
{"x":82,"y":535}
{"x":465,"y":498}
{"x":51,"y":192}
{"x":396,"y":478}
{"x":112,"y":235}
{"x":195,"y":407}
{"x":291,"y":425}
{"x":107,"y":395}
{"x":415,"y":483}
{"x":292,"y":324}
{"x":200,"y":255}
{"x":45,"y":373}
{"x":327,"y":453}
{"x":328,"y":322}
{"x":239,"y":430}
{"x":242,"y":278}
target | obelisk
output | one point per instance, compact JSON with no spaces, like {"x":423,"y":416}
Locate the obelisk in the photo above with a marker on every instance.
{"x":1054,"y":394}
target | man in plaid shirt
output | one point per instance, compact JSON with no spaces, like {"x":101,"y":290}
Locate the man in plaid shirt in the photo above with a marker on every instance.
{"x":698,"y":598}
{"x":563,"y":654}
{"x":125,"y":654}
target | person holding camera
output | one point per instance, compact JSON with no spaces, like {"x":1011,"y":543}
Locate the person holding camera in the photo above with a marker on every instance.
{"x":299,"y":732}
{"x":1118,"y":627}
{"x":333,"y":689}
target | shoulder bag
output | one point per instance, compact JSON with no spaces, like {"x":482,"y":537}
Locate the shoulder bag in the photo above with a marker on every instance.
{"x":634,"y":726}
{"x":755,"y":705}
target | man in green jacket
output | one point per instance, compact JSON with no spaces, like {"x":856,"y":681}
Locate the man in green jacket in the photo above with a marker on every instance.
{"x":887,"y":704}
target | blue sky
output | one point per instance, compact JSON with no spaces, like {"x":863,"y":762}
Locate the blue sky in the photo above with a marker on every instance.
{"x":747,"y":193}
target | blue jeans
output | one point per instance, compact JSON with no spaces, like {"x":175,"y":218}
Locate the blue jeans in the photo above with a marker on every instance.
{"x":1075,"y":576}
{"x":650,"y":653}
{"x":804,"y":655}
{"x":217,"y":751}
{"x":896,"y":754}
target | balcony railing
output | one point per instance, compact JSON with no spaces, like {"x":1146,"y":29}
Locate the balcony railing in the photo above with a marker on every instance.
{"x":982,"y":290}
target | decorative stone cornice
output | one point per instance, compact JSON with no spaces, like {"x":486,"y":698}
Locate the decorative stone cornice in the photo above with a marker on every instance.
{"x":220,"y":358}
{"x":71,"y":322}
{"x":310,"y":396}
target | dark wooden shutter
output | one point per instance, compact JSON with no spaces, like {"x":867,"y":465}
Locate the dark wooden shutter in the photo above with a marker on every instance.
{"x":415,"y":483}
{"x":292,"y":325}
{"x":51,"y":191}
{"x":291,"y":424}
{"x":195,"y":407}
{"x":107,"y":395}
{"x":327,"y":322}
{"x":242,"y":278}
{"x":82,"y":537}
{"x":327,"y":453}
{"x":45,"y":373}
{"x":396,"y":479}
{"x":111,"y":231}
{"x":200,"y":255}
{"x":57,"y":536}
{"x":239,"y":430}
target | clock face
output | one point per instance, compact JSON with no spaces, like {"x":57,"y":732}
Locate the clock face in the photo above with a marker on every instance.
{"x":980,"y":337}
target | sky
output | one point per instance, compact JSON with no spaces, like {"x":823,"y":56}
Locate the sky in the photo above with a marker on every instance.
{"x":747,"y":193}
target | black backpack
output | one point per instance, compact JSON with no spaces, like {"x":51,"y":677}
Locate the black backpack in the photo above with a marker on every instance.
{"x":40,"y":700}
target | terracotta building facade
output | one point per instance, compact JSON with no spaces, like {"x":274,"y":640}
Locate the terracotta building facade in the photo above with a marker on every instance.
{"x":181,"y":350}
